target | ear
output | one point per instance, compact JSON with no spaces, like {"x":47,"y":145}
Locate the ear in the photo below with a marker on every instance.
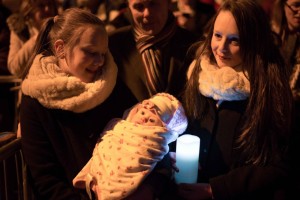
{"x":59,"y":48}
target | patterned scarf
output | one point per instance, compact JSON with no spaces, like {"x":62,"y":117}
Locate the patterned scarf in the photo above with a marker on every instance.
{"x":150,"y":48}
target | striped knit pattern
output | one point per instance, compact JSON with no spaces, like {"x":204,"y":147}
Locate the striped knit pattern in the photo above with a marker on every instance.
{"x":150,"y":48}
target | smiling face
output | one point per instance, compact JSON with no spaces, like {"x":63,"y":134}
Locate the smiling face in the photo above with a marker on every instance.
{"x":150,"y":16}
{"x":292,"y":13}
{"x":225,"y":41}
{"x":87,"y":56}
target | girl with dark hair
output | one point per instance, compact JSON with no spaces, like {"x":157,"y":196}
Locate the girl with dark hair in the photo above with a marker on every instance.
{"x":239,"y":103}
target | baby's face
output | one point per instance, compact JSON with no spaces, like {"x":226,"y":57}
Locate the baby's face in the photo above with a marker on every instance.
{"x":146,"y":115}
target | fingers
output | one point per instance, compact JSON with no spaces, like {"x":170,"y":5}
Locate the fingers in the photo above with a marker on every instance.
{"x":173,"y":161}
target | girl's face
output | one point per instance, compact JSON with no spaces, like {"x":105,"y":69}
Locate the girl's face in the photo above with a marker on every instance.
{"x":150,"y":16}
{"x":225,"y":41}
{"x":292,"y":13}
{"x":146,"y":115}
{"x":87,"y":56}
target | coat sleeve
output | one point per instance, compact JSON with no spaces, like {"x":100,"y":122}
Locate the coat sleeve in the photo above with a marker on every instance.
{"x":48,"y":177}
{"x":19,"y":53}
{"x":258,"y":181}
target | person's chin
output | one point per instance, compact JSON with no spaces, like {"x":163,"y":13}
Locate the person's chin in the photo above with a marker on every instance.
{"x":150,"y":30}
{"x":222,"y":63}
{"x":88,"y":78}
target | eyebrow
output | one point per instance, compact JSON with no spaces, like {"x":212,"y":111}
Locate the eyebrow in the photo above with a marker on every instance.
{"x":232,"y":35}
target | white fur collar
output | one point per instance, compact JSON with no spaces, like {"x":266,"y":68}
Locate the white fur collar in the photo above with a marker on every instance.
{"x":224,"y":83}
{"x":57,"y":90}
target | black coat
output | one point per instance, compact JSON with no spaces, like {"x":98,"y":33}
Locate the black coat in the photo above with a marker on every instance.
{"x":221,"y":161}
{"x":57,"y":144}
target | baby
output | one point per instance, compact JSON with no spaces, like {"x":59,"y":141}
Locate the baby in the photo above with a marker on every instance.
{"x":130,"y":147}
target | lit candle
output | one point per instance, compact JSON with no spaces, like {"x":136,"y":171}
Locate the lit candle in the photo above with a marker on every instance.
{"x":187,"y":158}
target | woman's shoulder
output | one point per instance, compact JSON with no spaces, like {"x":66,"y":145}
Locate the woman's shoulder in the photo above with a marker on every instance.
{"x":28,"y":101}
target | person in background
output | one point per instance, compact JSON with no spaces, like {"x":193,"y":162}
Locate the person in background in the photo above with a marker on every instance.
{"x":118,"y":14}
{"x":7,"y":97}
{"x":90,"y":5}
{"x":286,"y":24}
{"x":129,"y":148}
{"x":193,"y":15}
{"x":24,"y":26}
{"x":4,"y":39}
{"x":267,"y":5}
{"x":70,"y":92}
{"x":238,"y":101}
{"x":150,"y":52}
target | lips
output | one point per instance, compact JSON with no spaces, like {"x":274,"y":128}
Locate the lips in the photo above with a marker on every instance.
{"x":92,"y":70}
{"x":222,"y":57}
{"x":297,"y":20}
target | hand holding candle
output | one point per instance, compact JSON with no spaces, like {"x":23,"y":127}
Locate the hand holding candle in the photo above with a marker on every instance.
{"x":187,"y":158}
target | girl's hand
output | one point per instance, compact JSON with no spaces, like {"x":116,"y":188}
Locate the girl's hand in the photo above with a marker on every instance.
{"x":173,"y":161}
{"x":196,"y":191}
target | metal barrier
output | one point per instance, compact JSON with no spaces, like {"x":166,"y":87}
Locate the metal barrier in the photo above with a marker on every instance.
{"x":13,"y":173}
{"x":14,"y":92}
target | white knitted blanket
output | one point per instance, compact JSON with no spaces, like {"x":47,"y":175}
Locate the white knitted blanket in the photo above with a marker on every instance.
{"x":126,"y":154}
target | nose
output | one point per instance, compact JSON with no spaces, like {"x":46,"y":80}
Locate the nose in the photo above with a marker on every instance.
{"x":223,"y":46}
{"x":146,"y":12}
{"x":99,"y":60}
{"x":46,"y":8}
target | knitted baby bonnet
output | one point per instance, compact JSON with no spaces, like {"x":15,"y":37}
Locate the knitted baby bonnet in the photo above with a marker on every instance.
{"x":171,"y":113}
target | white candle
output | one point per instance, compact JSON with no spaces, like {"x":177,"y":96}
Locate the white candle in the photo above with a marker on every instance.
{"x":187,"y":158}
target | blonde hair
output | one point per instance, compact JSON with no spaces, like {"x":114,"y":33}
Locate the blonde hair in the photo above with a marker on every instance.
{"x":67,"y":27}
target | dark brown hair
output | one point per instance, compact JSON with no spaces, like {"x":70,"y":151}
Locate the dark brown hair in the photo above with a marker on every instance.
{"x":268,"y":114}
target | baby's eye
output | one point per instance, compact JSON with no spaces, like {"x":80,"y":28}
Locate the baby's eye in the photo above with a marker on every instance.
{"x":142,"y":112}
{"x":152,"y":120}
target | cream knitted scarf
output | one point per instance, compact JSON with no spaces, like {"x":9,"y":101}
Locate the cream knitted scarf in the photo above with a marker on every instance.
{"x":223,"y":84}
{"x":57,"y":90}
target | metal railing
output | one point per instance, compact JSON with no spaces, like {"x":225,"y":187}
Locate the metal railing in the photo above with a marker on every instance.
{"x":13,"y":172}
